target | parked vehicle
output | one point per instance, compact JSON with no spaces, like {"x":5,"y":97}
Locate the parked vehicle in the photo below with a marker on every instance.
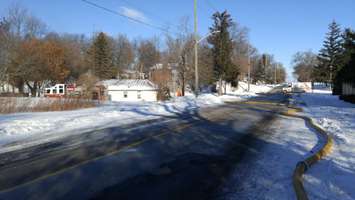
{"x":287,"y":88}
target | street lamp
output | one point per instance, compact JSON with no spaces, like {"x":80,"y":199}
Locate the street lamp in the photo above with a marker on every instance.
{"x":206,"y":36}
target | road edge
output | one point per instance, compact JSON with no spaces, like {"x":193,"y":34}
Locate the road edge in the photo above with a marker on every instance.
{"x":305,"y":164}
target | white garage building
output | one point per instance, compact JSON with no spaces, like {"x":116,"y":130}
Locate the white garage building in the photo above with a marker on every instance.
{"x":132,"y":90}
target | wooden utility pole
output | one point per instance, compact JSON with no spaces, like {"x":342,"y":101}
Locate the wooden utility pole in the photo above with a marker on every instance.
{"x":275,"y":80}
{"x":248,"y":68}
{"x":196,"y":49}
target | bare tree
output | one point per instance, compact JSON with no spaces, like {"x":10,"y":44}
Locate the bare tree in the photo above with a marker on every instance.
{"x":17,"y":15}
{"x":123,"y":52}
{"x":303,"y":65}
{"x":34,"y":27}
{"x":280,"y":73}
{"x":22,"y":26}
{"x":148,"y":54}
{"x":4,"y":49}
{"x":242,"y":49}
{"x":87,"y":81}
{"x":180,"y":53}
{"x":76,"y":46}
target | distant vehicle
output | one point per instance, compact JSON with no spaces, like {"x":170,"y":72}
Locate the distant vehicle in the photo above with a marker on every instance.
{"x":287,"y":88}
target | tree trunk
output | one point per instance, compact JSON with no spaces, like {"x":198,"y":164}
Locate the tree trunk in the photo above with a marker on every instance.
{"x":32,"y":88}
{"x":220,"y":88}
{"x":225,"y":88}
{"x":39,"y":89}
{"x":183,"y":87}
{"x":20,"y":86}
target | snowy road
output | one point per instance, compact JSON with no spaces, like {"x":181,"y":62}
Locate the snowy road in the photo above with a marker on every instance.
{"x":234,"y":151}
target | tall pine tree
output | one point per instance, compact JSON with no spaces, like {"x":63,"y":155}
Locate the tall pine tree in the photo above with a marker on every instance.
{"x":347,"y":72}
{"x":330,"y":56}
{"x":222,"y":50}
{"x":100,"y":58}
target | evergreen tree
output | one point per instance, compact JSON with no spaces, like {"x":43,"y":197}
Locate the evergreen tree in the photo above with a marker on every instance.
{"x":330,"y":56}
{"x":222,"y":50}
{"x":347,"y":71}
{"x":100,"y":58}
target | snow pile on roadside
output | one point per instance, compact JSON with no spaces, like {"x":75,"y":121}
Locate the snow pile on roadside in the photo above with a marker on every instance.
{"x":241,"y":92}
{"x":19,"y":127}
{"x":267,"y":174}
{"x":332,"y":177}
{"x":254,"y":89}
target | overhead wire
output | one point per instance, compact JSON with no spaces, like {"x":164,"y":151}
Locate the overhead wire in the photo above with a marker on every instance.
{"x":125,"y":16}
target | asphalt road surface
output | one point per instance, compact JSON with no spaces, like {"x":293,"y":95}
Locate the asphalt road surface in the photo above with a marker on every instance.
{"x":183,"y":157}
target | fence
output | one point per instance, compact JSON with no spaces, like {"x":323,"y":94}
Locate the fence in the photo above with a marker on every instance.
{"x":348,"y":89}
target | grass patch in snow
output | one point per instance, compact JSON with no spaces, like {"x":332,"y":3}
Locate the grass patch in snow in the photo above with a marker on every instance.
{"x":25,"y":104}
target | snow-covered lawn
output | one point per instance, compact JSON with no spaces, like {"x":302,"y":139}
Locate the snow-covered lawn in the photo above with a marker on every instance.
{"x":20,"y":129}
{"x":333,"y":177}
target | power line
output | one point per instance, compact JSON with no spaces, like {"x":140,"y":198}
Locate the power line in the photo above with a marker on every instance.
{"x":125,"y":16}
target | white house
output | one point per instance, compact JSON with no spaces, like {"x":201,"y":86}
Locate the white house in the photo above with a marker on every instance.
{"x":132,"y":90}
{"x":56,"y":91}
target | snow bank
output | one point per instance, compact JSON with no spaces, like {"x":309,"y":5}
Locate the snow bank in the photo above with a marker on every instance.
{"x":241,"y":92}
{"x":19,"y":128}
{"x":332,"y":178}
{"x":254,"y":89}
{"x":267,"y":174}
{"x":28,"y":127}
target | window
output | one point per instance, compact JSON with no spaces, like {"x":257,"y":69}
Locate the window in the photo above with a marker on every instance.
{"x":139,"y":95}
{"x":125,"y":94}
{"x":55,"y":91}
{"x":61,"y":91}
{"x":48,"y":91}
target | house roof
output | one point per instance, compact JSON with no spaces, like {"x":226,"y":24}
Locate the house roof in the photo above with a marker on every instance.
{"x":107,"y":83}
{"x":130,"y":84}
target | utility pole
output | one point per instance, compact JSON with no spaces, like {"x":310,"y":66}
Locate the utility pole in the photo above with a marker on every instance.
{"x":275,"y":73}
{"x":248,"y":68}
{"x":196,"y":49}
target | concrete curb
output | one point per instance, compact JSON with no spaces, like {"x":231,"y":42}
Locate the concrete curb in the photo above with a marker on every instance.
{"x":304,"y":165}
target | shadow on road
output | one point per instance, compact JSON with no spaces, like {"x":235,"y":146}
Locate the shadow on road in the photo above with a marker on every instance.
{"x":189,"y":158}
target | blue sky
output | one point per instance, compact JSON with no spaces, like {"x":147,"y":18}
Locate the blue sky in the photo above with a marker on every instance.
{"x":280,"y":27}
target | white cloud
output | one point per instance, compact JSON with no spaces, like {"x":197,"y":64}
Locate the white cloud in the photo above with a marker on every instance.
{"x":135,"y":14}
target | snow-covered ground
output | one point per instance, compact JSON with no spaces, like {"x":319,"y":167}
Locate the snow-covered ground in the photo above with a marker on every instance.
{"x":333,"y":177}
{"x":31,"y":128}
{"x":268,"y":172}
